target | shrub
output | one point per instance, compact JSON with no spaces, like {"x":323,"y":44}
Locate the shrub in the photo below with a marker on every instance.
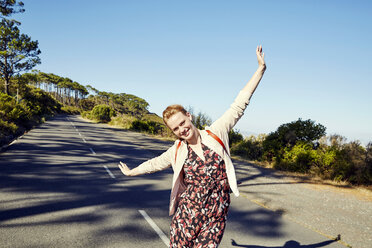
{"x":20,"y":114}
{"x":351,"y":164}
{"x":86,"y":104}
{"x":272,"y":147}
{"x":151,"y":127}
{"x":323,"y":165}
{"x":71,"y":110}
{"x":102,"y":113}
{"x":7,"y":128}
{"x":123,"y":120}
{"x":7,"y":103}
{"x":234,"y":137}
{"x":86,"y":114}
{"x":298,"y":158}
{"x":12,"y":111}
{"x":40,"y":103}
{"x":250,"y":148}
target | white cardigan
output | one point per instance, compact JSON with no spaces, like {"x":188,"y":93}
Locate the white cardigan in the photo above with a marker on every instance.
{"x":221,"y":128}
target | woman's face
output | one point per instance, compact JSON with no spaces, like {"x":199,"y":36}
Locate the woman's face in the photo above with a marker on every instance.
{"x":181,"y":125}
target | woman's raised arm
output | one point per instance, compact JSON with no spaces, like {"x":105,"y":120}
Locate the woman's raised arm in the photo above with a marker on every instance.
{"x":257,"y":76}
{"x":228,"y":120}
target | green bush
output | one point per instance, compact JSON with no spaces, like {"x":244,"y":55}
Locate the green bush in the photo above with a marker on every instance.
{"x":154,"y":127}
{"x":351,"y":164}
{"x":234,"y":137}
{"x":7,"y":103}
{"x":340,"y":161}
{"x":250,"y":148}
{"x":86,"y":114}
{"x":298,"y":158}
{"x":102,"y":113}
{"x":71,"y":110}
{"x":151,"y":127}
{"x":11,"y":111}
{"x":7,"y":128}
{"x":122,"y":120}
{"x":40,"y":103}
{"x":322,"y":166}
{"x":16,"y":117}
{"x":272,"y":147}
{"x":86,"y":104}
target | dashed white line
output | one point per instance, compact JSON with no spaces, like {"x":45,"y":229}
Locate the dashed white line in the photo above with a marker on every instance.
{"x":163,"y":237}
{"x":109,"y":172}
{"x":94,"y":153}
{"x":84,"y":140}
{"x":80,"y":134}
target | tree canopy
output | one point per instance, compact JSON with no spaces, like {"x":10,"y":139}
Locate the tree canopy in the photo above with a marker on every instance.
{"x":9,"y":7}
{"x":17,"y":51}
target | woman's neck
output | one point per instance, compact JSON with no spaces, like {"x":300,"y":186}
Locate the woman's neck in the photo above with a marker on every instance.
{"x":195,"y":139}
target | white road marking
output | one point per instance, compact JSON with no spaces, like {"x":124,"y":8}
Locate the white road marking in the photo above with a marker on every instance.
{"x":80,"y":134}
{"x":109,"y":172}
{"x":163,"y":237}
{"x":84,"y":140}
{"x":92,"y":151}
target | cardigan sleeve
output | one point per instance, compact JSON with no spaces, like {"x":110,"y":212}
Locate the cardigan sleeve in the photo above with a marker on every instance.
{"x":228,"y":120}
{"x":159,"y":163}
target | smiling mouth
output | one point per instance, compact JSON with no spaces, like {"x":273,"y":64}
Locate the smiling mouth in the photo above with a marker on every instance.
{"x":186,"y":132}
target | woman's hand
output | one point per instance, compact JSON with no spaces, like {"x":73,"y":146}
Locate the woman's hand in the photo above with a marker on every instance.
{"x":125,"y":169}
{"x":260,"y":57}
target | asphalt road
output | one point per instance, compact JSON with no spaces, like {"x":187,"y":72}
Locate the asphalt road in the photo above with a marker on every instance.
{"x":60,"y":187}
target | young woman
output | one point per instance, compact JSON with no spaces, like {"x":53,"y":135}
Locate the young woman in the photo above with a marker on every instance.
{"x":204,"y":175}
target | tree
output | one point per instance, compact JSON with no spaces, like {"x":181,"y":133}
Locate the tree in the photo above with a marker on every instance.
{"x":9,"y":7}
{"x":289,"y":134}
{"x":199,"y":120}
{"x":306,"y":131}
{"x":17,"y":52}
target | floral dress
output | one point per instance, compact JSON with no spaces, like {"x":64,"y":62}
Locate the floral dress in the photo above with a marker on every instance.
{"x":202,"y":210}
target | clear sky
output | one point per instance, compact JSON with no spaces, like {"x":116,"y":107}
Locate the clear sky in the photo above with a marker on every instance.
{"x":201,"y":53}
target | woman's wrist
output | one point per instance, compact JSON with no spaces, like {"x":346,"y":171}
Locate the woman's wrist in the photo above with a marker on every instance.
{"x":262,"y":67}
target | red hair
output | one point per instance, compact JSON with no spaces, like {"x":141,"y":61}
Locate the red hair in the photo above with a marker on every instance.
{"x":171,"y":110}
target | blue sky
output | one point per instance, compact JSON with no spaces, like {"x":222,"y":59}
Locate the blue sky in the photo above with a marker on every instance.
{"x":201,"y":53}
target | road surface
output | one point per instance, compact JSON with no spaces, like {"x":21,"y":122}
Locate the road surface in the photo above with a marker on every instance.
{"x":60,"y":187}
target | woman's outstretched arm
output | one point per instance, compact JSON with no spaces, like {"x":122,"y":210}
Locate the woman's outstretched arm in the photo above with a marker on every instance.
{"x":126,"y":171}
{"x":228,"y":120}
{"x":150,"y":166}
{"x":257,"y":76}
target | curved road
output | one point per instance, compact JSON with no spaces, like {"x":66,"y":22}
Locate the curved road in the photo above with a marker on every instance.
{"x":60,"y":187}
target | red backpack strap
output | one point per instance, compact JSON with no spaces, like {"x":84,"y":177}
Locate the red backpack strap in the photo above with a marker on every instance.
{"x":178,"y":147}
{"x":218,"y":139}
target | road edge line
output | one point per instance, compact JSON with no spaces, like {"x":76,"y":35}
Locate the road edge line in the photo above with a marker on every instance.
{"x":109,"y":172}
{"x":162,"y":236}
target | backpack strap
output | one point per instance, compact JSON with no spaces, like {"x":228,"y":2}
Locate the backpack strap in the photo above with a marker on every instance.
{"x":218,"y":139}
{"x":178,"y":147}
{"x":209,"y":133}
